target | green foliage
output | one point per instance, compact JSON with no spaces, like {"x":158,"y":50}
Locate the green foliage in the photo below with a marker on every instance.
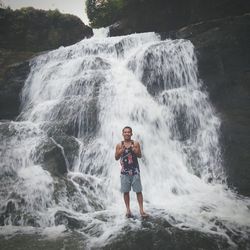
{"x":104,"y":13}
{"x":30,"y":29}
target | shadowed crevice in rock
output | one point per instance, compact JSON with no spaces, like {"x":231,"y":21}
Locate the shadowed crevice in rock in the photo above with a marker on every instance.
{"x":10,"y":89}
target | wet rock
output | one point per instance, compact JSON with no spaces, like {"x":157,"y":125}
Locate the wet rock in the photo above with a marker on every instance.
{"x":6,"y":211}
{"x":5,"y":132}
{"x":40,"y":240}
{"x":82,"y":113}
{"x":157,"y":234}
{"x":91,"y":191}
{"x":56,"y":153}
{"x":70,"y":148}
{"x":64,"y":218}
{"x":54,"y":161}
{"x":64,"y":189}
{"x":12,"y":213}
{"x":97,"y":63}
{"x":10,"y":88}
{"x":51,"y":157}
{"x":121,"y":27}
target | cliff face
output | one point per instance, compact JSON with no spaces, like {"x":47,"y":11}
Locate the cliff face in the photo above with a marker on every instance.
{"x":24,"y":33}
{"x":166,"y":15}
{"x":224,"y":66}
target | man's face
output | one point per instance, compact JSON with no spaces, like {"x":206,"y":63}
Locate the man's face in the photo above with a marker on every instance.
{"x":127,"y":133}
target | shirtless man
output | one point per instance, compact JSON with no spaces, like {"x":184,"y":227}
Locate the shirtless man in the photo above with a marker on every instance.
{"x":128,"y":151}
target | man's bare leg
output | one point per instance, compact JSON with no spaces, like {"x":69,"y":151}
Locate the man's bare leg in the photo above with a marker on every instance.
{"x":127,"y":203}
{"x":140,"y":202}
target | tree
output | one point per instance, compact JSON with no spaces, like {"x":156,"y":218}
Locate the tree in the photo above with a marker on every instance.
{"x":104,"y":13}
{"x":3,"y":5}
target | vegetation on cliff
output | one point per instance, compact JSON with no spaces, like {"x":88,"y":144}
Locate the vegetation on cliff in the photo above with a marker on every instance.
{"x":105,"y":12}
{"x":29,"y":29}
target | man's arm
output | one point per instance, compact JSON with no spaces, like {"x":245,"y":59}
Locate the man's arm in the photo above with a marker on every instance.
{"x":137,"y":149}
{"x":118,"y":151}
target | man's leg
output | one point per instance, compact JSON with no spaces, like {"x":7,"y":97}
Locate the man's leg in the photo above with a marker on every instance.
{"x":127,"y":203}
{"x":125,"y":188}
{"x":137,"y":187}
{"x":140,"y":202}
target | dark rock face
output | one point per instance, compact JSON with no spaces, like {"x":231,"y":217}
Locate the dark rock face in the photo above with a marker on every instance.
{"x":162,"y":15}
{"x":10,"y":88}
{"x":224,"y":65}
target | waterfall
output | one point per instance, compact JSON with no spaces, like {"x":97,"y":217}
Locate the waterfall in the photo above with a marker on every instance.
{"x":57,"y":160}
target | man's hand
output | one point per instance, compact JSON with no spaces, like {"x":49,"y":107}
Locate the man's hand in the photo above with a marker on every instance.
{"x":118,"y":151}
{"x":137,"y":149}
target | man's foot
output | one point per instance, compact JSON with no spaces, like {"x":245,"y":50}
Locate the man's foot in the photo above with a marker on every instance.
{"x":144,"y":215}
{"x":129,"y":215}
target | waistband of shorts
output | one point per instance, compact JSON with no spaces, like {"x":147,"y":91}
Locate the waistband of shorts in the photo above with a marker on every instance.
{"x":129,"y":174}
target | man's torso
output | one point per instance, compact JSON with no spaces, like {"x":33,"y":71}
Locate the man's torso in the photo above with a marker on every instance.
{"x":128,"y":160}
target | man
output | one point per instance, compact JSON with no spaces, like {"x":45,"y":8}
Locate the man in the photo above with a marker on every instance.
{"x":128,"y":151}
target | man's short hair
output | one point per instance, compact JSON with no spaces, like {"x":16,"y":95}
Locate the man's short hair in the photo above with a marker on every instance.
{"x":127,"y":128}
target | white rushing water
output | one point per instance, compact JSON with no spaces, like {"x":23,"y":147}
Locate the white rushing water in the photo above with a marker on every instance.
{"x":90,"y":91}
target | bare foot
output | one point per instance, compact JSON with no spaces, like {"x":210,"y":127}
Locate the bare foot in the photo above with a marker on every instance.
{"x":129,"y":215}
{"x":144,"y":215}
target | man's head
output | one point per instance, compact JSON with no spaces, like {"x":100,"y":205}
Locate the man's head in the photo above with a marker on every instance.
{"x":127,"y":133}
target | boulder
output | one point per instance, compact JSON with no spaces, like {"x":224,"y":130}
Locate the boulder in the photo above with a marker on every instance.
{"x":51,"y":157}
{"x":157,"y":234}
{"x":57,"y":153}
{"x":64,"y":218}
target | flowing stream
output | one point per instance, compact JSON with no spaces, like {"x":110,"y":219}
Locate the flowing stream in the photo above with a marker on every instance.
{"x":57,"y":160}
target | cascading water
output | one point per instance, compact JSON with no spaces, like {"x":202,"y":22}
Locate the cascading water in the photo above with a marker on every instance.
{"x":57,"y":160}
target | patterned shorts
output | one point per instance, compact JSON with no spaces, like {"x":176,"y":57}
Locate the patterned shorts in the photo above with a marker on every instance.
{"x":131,"y":180}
